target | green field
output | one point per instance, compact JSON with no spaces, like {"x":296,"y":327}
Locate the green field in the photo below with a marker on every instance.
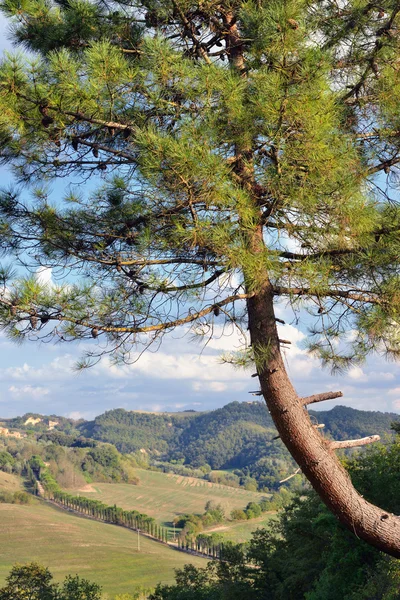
{"x":106,"y":554}
{"x":9,"y":483}
{"x":164,"y":496}
{"x":240,"y":531}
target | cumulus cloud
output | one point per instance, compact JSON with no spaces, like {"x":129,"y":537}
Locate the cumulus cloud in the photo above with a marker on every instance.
{"x":44,"y":276}
{"x":357,"y":373}
{"x":181,"y":375}
{"x":60,"y":368}
{"x":28,"y":391}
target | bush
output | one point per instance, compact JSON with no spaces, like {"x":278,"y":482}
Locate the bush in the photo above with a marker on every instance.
{"x":238,"y":515}
{"x":254,"y":508}
{"x":6,"y":461}
{"x":15,"y":498}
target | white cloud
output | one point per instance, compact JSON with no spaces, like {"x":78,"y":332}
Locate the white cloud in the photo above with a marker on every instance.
{"x":173,"y":366}
{"x":357,"y":373}
{"x":394,"y":392}
{"x":44,"y":276}
{"x":378,"y":376}
{"x":59,"y":369}
{"x":396,"y":404}
{"x":28,"y":391}
{"x":214,"y":386}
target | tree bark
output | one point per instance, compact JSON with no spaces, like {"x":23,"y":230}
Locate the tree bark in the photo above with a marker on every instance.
{"x":314,"y":454}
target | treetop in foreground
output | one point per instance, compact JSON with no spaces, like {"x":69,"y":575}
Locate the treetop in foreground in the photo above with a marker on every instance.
{"x":241,"y":154}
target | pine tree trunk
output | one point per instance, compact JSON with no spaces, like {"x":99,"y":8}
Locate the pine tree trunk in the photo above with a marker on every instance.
{"x":310,"y":450}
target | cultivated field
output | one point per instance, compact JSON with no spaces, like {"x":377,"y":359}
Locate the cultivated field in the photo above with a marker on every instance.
{"x":164,"y":496}
{"x":106,"y":554}
{"x":240,"y":531}
{"x":9,"y":483}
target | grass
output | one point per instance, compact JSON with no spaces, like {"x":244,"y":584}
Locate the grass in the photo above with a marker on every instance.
{"x":9,"y":483}
{"x":66,"y":544}
{"x":164,"y":496}
{"x":240,"y":531}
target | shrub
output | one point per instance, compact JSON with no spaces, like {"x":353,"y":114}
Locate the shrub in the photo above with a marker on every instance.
{"x":238,"y":515}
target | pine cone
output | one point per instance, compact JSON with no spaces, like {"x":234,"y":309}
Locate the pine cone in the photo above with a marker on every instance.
{"x":47,"y":121}
{"x":293,"y":24}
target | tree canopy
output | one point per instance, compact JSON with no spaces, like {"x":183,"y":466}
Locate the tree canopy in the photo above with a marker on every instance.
{"x":244,"y":153}
{"x":32,"y":581}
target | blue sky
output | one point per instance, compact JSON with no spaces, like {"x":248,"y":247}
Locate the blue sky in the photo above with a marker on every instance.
{"x":40,"y":377}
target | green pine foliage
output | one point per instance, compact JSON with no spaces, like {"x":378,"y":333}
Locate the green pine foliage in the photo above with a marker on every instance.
{"x":195,"y":141}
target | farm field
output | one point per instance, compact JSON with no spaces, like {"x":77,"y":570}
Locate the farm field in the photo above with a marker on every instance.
{"x":163,"y":496}
{"x":69,"y":544}
{"x":9,"y":483}
{"x":241,"y":531}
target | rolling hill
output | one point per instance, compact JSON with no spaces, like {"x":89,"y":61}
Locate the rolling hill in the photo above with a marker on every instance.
{"x":68,"y":544}
{"x":163,"y":496}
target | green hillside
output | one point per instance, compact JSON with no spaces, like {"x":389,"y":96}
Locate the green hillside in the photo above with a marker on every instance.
{"x":218,"y":437}
{"x":240,"y":532}
{"x":130,"y":431}
{"x":105,"y":554}
{"x":343,"y":422}
{"x":164,"y":496}
{"x":238,"y":438}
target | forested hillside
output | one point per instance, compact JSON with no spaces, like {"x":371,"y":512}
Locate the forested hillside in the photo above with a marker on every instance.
{"x":218,"y":437}
{"x":239,"y":438}
{"x":343,"y":422}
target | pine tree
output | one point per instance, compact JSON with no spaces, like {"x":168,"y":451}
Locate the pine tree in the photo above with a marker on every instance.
{"x":246,"y":153}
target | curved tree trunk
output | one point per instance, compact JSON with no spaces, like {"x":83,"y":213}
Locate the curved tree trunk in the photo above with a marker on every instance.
{"x":314,"y":454}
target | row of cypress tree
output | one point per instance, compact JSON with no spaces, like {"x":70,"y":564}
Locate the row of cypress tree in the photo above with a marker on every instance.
{"x":132,"y":519}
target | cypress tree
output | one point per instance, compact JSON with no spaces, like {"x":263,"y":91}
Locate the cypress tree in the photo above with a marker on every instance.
{"x":244,"y":150}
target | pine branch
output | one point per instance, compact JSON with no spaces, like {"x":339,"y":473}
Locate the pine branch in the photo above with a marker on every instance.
{"x":383,"y":166}
{"x":371,"y":59}
{"x":357,"y":295}
{"x":190,"y":318}
{"x":297,"y":471}
{"x":182,"y":288}
{"x":189,"y":30}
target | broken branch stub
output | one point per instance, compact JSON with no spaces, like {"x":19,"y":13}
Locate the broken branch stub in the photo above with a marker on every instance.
{"x":355,"y":443}
{"x":321,"y":397}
